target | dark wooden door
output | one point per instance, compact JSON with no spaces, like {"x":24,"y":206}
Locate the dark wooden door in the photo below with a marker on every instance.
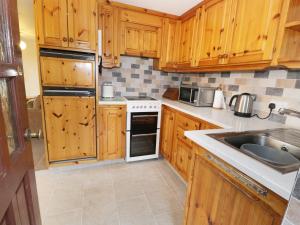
{"x":18,"y":194}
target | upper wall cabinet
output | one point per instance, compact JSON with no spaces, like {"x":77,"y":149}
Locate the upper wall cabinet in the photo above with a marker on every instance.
{"x":66,"y":23}
{"x":140,"y":34}
{"x":109,"y":25}
{"x":186,"y":41}
{"x":212,"y":32}
{"x":253,"y":30}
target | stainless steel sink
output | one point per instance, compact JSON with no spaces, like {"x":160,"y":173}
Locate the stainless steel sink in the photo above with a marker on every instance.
{"x":281,"y":140}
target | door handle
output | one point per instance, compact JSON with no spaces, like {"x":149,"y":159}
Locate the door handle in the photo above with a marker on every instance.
{"x":28,"y":135}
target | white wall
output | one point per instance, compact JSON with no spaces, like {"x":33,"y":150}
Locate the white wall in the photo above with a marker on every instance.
{"x":30,"y":66}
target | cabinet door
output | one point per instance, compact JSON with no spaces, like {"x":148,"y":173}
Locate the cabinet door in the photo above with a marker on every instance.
{"x":151,"y":42}
{"x":67,"y":73}
{"x":213,"y":27}
{"x":186,"y":40}
{"x":183,"y":158}
{"x":108,"y":24}
{"x":170,"y":43}
{"x":112,"y":125}
{"x":215,"y":199}
{"x":82,"y":16}
{"x":51,"y":22}
{"x":252,"y":35}
{"x":70,"y":127}
{"x":132,"y":39}
{"x":167,"y":127}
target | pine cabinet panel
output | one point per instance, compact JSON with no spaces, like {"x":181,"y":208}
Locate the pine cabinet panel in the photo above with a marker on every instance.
{"x":70,"y":127}
{"x":111,"y":131}
{"x":253,"y":37}
{"x":216,"y":198}
{"x":167,"y":131}
{"x":51,"y":22}
{"x":140,"y":40}
{"x":109,"y":25}
{"x":82,"y":17}
{"x":186,"y":42}
{"x":67,"y":23}
{"x":214,"y":25}
{"x":183,"y":158}
{"x":67,"y":73}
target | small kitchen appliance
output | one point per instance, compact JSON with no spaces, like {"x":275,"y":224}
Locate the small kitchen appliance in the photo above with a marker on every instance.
{"x":107,"y":90}
{"x":197,"y":96}
{"x":243,"y":105}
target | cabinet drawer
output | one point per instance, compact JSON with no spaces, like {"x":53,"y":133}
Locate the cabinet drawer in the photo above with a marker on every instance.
{"x":187,"y":123}
{"x":67,"y":72}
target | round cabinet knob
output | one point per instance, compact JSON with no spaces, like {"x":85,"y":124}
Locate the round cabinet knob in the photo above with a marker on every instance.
{"x":145,"y":107}
{"x":133,"y":107}
{"x":150,"y":107}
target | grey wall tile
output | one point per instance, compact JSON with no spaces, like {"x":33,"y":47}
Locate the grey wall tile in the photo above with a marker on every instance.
{"x":148,"y":72}
{"x":136,"y":76}
{"x":225,"y":74}
{"x":297,"y":84}
{"x":121,"y":79}
{"x":142,"y":94}
{"x":274,"y":91}
{"x":175,"y":78}
{"x":162,"y":73}
{"x":116,"y":74}
{"x":135,"y":66}
{"x":233,"y":88}
{"x":147,"y":81}
{"x":130,"y":89}
{"x":211,"y":80}
{"x":261,"y":74}
{"x":293,"y":75}
{"x":155,"y":90}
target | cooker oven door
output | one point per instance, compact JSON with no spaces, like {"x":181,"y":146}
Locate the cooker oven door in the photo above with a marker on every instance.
{"x":143,"y":134}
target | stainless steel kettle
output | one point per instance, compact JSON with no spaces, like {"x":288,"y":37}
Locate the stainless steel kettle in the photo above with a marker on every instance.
{"x":243,"y":105}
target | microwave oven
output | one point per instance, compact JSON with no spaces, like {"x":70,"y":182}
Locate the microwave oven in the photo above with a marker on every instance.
{"x":197,"y":96}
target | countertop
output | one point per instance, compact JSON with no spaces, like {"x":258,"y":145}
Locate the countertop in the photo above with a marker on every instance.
{"x":282,"y":184}
{"x":113,"y":101}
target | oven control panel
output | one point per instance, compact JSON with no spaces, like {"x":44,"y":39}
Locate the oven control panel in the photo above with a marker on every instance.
{"x":144,"y":107}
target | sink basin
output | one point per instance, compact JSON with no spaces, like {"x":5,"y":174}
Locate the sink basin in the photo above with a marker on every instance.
{"x":280,"y":151}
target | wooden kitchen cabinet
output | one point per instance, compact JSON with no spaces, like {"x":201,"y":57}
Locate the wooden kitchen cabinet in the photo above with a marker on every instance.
{"x":167,"y":131}
{"x":59,"y":72}
{"x":186,"y":43}
{"x":109,"y":26}
{"x":251,"y":37}
{"x":175,"y":147}
{"x":70,"y":127}
{"x":140,"y":40}
{"x":66,"y":23}
{"x":213,"y":28}
{"x":217,"y":195}
{"x":111,"y":132}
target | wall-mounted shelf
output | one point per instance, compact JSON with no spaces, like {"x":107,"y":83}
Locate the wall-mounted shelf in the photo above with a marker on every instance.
{"x":294,"y":25}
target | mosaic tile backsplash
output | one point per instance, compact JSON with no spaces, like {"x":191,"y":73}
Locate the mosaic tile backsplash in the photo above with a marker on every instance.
{"x":137,"y":77}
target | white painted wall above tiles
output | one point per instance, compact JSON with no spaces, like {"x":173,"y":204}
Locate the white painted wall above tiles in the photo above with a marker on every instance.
{"x":175,"y":7}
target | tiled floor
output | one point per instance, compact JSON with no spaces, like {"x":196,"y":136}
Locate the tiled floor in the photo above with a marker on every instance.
{"x":143,"y":193}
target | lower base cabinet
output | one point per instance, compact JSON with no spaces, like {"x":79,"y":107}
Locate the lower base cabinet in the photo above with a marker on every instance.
{"x":111,"y":132}
{"x":216,"y":197}
{"x":70,"y":127}
{"x":174,"y":146}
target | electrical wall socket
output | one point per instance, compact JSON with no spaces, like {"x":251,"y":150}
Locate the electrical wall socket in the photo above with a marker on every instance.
{"x":279,"y":105}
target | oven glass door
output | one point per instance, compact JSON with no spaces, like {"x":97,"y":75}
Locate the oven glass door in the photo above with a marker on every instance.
{"x":142,"y":144}
{"x":143,"y":133}
{"x":185,"y":94}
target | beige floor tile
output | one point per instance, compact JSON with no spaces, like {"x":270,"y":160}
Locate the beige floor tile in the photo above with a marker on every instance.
{"x":100,"y":216}
{"x":163,"y":202}
{"x":139,"y":219}
{"x":132,"y":207}
{"x":127,"y":189}
{"x":68,"y":218}
{"x":170,"y":218}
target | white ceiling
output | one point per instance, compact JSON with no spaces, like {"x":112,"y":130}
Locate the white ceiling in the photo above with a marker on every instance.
{"x":175,"y":7}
